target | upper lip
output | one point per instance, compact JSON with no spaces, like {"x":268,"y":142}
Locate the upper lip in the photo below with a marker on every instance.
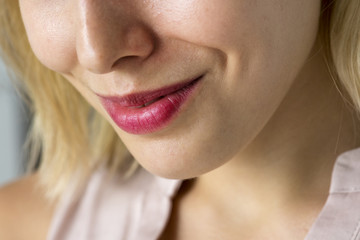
{"x":141,"y":98}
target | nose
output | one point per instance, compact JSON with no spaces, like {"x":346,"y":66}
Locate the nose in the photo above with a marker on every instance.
{"x":108,"y":35}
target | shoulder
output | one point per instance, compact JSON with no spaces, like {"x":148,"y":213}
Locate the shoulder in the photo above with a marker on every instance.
{"x":24,"y":210}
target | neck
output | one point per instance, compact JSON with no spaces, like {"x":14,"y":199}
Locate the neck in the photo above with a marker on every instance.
{"x":290,"y":162}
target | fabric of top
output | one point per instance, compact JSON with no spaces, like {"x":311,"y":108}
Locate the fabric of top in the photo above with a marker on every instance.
{"x":139,"y":208}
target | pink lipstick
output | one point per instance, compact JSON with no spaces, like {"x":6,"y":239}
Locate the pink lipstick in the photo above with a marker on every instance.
{"x":150,"y":111}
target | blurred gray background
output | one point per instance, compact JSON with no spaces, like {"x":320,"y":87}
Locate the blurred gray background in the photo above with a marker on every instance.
{"x":13,"y":121}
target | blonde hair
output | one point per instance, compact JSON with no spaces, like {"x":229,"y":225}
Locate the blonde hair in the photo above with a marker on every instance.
{"x":71,"y":139}
{"x":342,"y":44}
{"x":68,"y":137}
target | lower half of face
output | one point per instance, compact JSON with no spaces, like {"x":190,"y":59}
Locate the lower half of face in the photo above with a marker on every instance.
{"x":247,"y":52}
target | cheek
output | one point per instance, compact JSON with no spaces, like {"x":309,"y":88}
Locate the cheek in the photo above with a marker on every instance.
{"x":51,"y":34}
{"x":232,"y":24}
{"x":208,"y":23}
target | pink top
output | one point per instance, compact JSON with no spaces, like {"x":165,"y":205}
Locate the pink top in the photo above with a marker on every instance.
{"x":138,"y":209}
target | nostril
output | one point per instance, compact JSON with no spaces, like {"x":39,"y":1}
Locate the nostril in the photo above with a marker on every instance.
{"x":94,"y":64}
{"x":99,"y":57}
{"x":93,"y":57}
{"x":123,"y":60}
{"x":108,"y":36}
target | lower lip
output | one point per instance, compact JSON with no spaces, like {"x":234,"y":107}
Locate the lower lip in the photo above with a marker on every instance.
{"x":153,"y":117}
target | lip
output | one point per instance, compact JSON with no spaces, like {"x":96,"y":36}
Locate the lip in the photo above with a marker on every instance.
{"x":161,"y":106}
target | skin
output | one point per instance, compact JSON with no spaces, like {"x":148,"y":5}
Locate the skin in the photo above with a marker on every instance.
{"x":266,"y":123}
{"x":25,"y":212}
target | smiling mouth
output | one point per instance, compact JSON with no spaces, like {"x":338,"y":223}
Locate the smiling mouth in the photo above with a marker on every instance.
{"x":161,"y":97}
{"x":148,"y":112}
{"x":146,"y":98}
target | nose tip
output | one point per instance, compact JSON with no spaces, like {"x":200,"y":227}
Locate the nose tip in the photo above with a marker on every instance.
{"x":102,"y":52}
{"x":107,"y":37}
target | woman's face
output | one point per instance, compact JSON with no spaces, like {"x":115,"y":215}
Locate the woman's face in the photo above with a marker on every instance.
{"x":247,"y":52}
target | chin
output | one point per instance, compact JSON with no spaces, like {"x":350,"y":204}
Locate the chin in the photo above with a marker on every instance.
{"x":179,"y":169}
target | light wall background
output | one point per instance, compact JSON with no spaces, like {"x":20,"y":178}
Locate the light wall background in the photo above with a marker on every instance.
{"x":13,"y":121}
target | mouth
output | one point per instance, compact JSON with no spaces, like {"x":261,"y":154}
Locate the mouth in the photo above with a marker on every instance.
{"x":150,"y":111}
{"x":148,"y":103}
{"x":145,"y":98}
